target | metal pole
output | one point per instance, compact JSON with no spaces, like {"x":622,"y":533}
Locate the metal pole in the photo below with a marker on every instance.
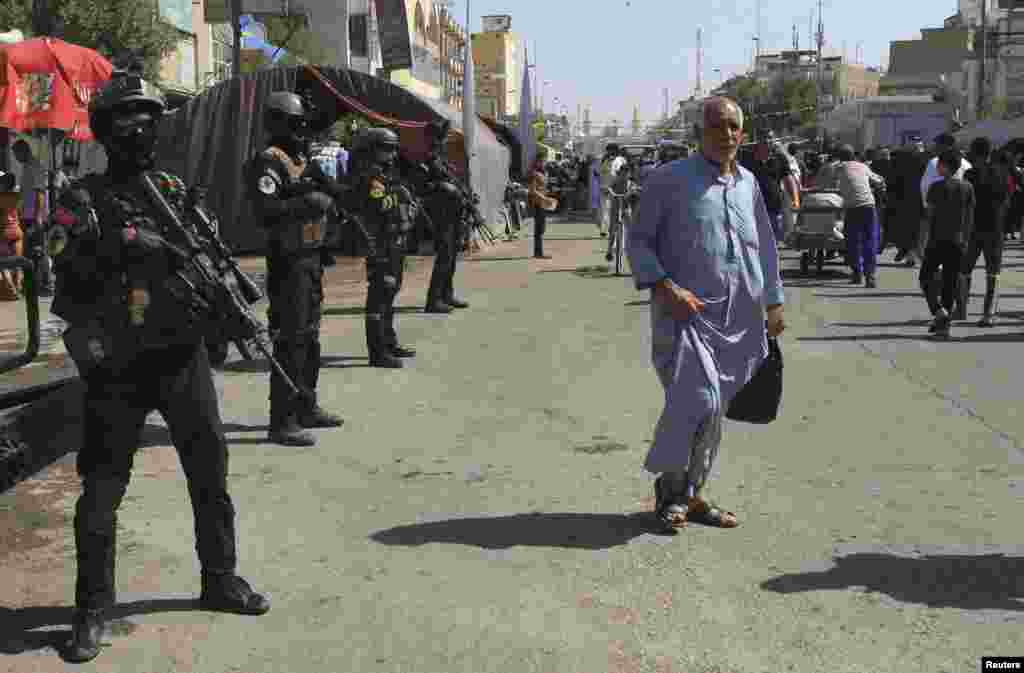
{"x":348,"y":36}
{"x":236,"y":47}
{"x":984,"y":55}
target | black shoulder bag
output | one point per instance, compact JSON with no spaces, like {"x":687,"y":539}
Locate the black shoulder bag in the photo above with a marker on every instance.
{"x":758,"y":401}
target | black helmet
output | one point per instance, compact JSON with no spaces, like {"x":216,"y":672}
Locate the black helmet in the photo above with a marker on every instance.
{"x":371,"y":139}
{"x":123,"y":90}
{"x":284,"y":115}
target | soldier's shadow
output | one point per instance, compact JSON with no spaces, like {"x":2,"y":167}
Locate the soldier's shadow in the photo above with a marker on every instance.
{"x":361,"y":310}
{"x":261,"y":366}
{"x":30,"y":629}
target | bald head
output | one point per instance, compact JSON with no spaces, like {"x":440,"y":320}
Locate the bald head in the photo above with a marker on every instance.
{"x":723,"y":130}
{"x":717,"y":106}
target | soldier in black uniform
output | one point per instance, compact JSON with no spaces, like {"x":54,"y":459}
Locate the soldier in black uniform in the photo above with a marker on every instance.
{"x":387,"y":216}
{"x":448,"y":202}
{"x":136,"y":351}
{"x":294,"y":199}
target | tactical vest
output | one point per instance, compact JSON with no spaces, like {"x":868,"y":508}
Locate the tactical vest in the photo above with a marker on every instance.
{"x":295,"y":234}
{"x":132,"y":305}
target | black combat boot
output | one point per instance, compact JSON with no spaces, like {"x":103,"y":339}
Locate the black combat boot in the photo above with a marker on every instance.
{"x":857,"y":278}
{"x":940,"y":324}
{"x":455,"y":302}
{"x":227,"y":592}
{"x":317,"y":417}
{"x":437,"y":306}
{"x":379,"y":351}
{"x":86,"y":636}
{"x":435,"y":294}
{"x":963,"y":297}
{"x":287,"y":432}
{"x":870,"y":282}
{"x":991,"y":307}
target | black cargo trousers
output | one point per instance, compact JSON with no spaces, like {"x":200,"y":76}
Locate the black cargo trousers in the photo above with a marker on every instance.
{"x":445,"y":210}
{"x":176,"y":381}
{"x":296,"y":292}
{"x":385,"y":269}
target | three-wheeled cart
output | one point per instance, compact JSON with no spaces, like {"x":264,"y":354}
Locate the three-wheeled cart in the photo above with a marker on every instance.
{"x":818,"y":229}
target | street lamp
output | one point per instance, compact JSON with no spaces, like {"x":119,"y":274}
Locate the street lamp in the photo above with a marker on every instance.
{"x":719,"y":71}
{"x":542,"y":88}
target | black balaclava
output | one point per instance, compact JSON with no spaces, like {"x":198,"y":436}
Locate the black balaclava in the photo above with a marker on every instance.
{"x":130,"y":141}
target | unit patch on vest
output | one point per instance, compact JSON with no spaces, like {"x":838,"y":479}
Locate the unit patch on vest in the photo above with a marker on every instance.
{"x":376,"y":189}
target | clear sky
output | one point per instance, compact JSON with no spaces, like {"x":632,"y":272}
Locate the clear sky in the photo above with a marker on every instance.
{"x":614,"y":54}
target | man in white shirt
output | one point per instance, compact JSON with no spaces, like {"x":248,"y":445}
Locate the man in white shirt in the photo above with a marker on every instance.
{"x":943,"y":142}
{"x":931,"y":175}
{"x":612,"y":163}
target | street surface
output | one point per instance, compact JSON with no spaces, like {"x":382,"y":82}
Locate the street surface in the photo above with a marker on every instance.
{"x":485,"y":511}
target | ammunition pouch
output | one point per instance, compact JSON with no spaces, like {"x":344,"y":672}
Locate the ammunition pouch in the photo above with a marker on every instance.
{"x":309,"y":233}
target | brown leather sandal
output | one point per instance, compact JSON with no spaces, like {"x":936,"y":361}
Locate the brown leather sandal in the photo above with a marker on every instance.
{"x":710,"y":514}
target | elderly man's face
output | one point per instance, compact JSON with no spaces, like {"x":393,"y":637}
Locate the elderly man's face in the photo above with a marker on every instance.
{"x":723,"y":131}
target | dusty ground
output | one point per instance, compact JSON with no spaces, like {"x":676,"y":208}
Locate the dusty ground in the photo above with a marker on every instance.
{"x":485,"y":509}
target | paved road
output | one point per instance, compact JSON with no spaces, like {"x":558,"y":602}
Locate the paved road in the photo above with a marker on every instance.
{"x":485,"y":510}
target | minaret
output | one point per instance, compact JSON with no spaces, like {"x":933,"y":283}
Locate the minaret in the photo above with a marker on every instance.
{"x":699,"y":89}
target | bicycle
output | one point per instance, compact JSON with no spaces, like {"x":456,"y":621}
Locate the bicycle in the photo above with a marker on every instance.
{"x":622,"y":212}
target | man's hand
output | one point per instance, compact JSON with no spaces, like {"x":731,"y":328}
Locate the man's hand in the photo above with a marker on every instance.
{"x":682,"y":303}
{"x":776,"y":323}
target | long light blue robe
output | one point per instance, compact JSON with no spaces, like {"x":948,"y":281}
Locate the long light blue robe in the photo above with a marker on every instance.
{"x":711,"y":235}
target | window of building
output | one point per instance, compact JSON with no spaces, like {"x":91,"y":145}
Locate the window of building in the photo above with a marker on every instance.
{"x":221,"y":39}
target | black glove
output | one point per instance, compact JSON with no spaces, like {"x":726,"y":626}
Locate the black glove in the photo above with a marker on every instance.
{"x":318,"y":202}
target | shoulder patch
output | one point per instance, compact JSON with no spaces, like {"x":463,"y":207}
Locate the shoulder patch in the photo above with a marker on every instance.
{"x":267,"y":185}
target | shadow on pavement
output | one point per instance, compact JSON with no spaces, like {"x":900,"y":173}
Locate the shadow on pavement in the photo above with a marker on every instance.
{"x":870,"y":337}
{"x":572,"y":531}
{"x":826,"y":274}
{"x":598,"y":271}
{"x":19,"y":626}
{"x":903,"y":323}
{"x":1015,"y":337}
{"x":261,"y":366}
{"x":990,"y":582}
{"x":870,"y":295}
{"x":896,"y":295}
{"x":497,"y":259}
{"x":638,"y":302}
{"x":361,"y":310}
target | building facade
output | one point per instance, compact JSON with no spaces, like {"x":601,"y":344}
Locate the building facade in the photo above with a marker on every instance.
{"x":498,"y":70}
{"x":841,"y":79}
{"x":438,"y":45}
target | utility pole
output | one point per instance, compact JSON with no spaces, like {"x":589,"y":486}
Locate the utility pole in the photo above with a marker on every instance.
{"x":984,"y":56}
{"x":817,"y":88}
{"x":236,"y":31}
{"x":796,"y":39}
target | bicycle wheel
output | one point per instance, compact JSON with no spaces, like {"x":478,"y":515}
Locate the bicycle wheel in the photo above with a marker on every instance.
{"x":619,"y":231}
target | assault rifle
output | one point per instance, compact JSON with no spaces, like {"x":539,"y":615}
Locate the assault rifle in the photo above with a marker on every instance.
{"x":226,"y":292}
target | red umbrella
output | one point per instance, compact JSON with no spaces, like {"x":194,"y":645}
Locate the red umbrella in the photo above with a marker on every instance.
{"x":46,"y":83}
